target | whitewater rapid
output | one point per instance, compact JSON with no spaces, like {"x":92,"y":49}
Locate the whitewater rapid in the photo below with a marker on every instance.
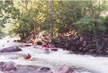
{"x":95,"y":64}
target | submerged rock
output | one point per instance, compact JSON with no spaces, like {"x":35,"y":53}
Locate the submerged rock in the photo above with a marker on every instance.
{"x":7,"y":66}
{"x":10,"y":49}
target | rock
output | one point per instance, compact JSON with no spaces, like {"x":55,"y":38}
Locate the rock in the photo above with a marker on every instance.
{"x":62,"y":69}
{"x":76,"y":38}
{"x":81,"y":39}
{"x":85,"y":44}
{"x":56,"y":69}
{"x":10,"y":49}
{"x":1,"y":66}
{"x":7,"y":66}
{"x":10,"y":72}
{"x":44,"y":70}
{"x":39,"y":43}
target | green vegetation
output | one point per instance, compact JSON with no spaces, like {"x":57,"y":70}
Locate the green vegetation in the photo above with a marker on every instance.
{"x":60,"y":16}
{"x":5,"y":9}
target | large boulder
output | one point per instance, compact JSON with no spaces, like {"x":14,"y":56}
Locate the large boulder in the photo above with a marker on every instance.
{"x":10,"y":49}
{"x":7,"y":66}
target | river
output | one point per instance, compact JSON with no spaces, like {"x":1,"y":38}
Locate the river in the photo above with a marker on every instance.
{"x":87,"y":63}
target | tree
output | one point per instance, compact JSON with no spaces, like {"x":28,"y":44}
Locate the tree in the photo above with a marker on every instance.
{"x":5,"y":7}
{"x":62,"y":16}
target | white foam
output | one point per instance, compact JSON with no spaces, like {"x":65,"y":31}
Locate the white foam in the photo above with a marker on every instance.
{"x":7,"y":42}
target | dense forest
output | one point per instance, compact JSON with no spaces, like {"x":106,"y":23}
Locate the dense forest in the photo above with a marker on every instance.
{"x":73,"y":25}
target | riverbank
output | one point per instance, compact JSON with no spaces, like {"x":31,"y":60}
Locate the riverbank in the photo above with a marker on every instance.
{"x":80,"y":44}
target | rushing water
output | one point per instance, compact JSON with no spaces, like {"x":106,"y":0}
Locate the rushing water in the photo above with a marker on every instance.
{"x":85,"y":62}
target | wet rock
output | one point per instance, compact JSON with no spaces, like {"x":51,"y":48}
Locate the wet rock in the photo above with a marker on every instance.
{"x":28,"y":69}
{"x":7,"y":66}
{"x":56,"y":69}
{"x":1,"y":66}
{"x":62,"y":69}
{"x":39,"y":43}
{"x":10,"y":49}
{"x":44,"y":70}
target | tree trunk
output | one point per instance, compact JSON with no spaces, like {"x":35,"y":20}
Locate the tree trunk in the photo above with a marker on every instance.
{"x":34,"y":31}
{"x":96,"y":35}
{"x":51,"y":19}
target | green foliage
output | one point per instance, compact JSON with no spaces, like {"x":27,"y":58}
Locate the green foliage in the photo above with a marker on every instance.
{"x":86,"y":24}
{"x":26,"y":18}
{"x":63,"y":16}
